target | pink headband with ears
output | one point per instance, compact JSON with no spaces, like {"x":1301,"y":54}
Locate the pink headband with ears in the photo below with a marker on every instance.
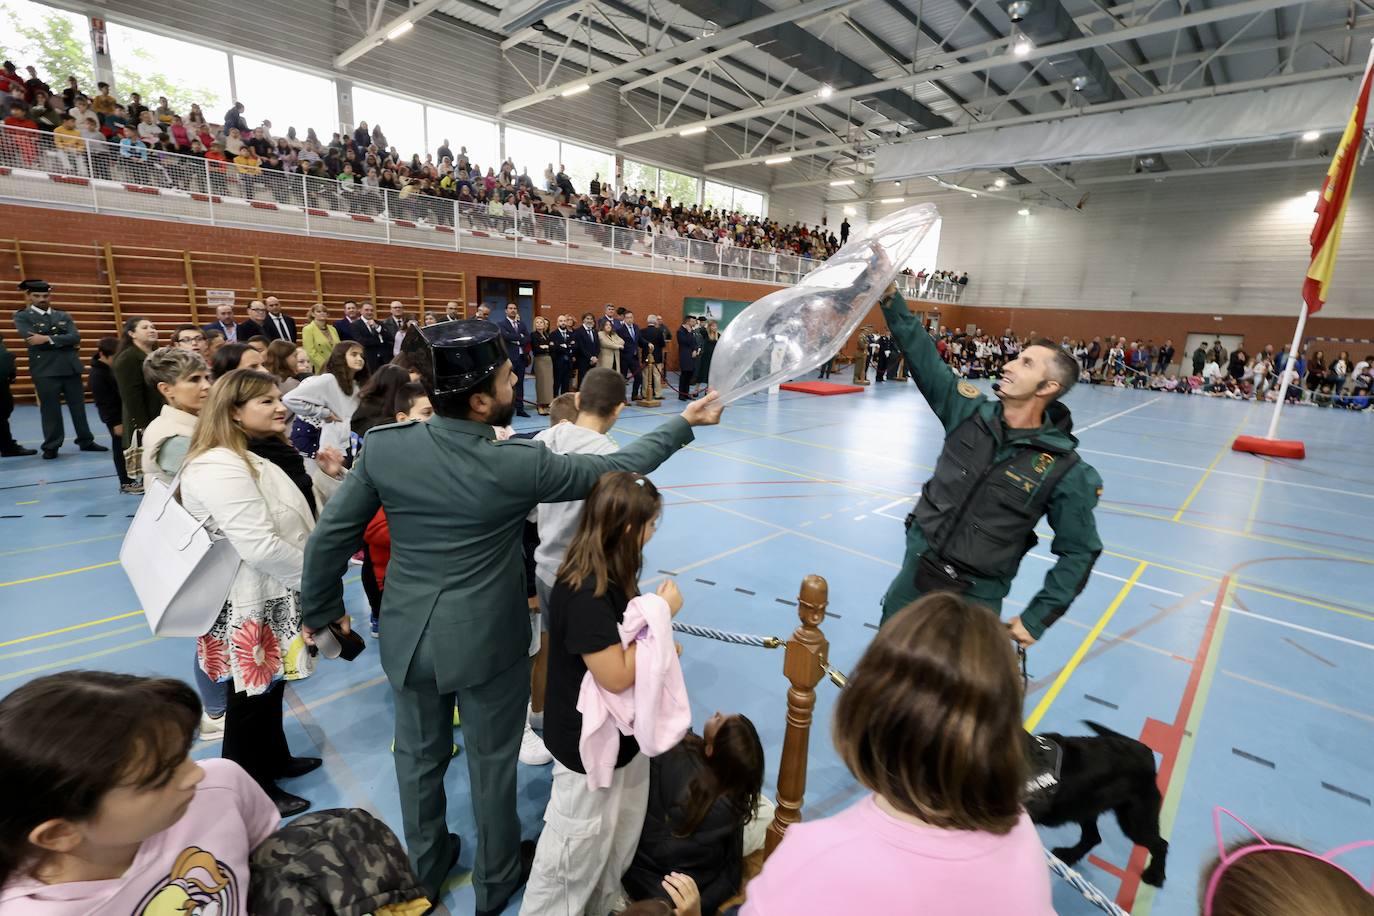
{"x":1265,"y":846}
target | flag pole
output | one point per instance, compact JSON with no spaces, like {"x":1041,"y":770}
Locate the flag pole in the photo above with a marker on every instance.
{"x":1283,"y":376}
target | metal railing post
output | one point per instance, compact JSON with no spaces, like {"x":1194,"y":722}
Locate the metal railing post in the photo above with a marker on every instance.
{"x":457,"y":231}
{"x":386,"y":213}
{"x":209,"y":191}
{"x":90,"y":176}
{"x":305,"y":203}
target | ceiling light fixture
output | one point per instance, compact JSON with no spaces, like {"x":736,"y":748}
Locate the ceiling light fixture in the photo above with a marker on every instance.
{"x":892,"y":200}
{"x":777,"y":160}
{"x":842,"y":182}
{"x":575,"y":90}
{"x":1079,"y":83}
{"x":691,"y":131}
{"x":1311,"y":135}
{"x":1018,"y":10}
{"x":1021,"y":46}
{"x":400,"y":30}
{"x":1000,"y":183}
{"x":826,"y":91}
{"x":1023,"y":212}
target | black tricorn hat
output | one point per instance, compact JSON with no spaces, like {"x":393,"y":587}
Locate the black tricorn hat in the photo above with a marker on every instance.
{"x":35,"y":286}
{"x":455,"y":355}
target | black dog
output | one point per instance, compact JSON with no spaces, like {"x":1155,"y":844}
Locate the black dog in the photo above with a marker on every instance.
{"x":1077,"y":779}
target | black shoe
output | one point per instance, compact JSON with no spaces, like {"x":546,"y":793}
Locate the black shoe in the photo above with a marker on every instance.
{"x":521,"y":413}
{"x":93,"y":447}
{"x":527,"y":848}
{"x":49,"y":454}
{"x":452,"y":864}
{"x":288,"y":805}
{"x":16,"y":451}
{"x":299,"y":766}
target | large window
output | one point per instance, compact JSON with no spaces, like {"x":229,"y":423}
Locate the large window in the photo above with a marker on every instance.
{"x":401,"y":120}
{"x":584,"y":163}
{"x":683,"y":189}
{"x":481,"y":137}
{"x":640,"y":177}
{"x":749,"y":202}
{"x":532,"y":151}
{"x":731,"y":199}
{"x":287,"y":98}
{"x":54,"y":42}
{"x":186,"y":73}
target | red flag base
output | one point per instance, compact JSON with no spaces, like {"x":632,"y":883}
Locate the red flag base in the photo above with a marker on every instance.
{"x":1275,"y":448}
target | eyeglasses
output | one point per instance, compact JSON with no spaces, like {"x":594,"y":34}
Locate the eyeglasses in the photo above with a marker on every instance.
{"x":197,"y":338}
{"x":1265,"y":846}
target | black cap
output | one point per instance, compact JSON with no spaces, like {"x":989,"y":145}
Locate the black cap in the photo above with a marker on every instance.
{"x":35,"y":286}
{"x":455,"y":355}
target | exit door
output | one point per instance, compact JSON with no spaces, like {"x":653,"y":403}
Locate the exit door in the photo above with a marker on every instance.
{"x":495,"y":292}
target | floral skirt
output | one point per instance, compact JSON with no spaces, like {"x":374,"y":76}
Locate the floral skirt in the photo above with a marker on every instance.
{"x":255,"y":648}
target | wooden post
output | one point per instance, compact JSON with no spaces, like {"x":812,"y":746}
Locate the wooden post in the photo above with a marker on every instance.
{"x":651,"y":391}
{"x":319,"y":283}
{"x":257,"y":275}
{"x":804,"y":666}
{"x":372,"y":288}
{"x":191,"y":288}
{"x":19,"y":260}
{"x":114,"y":285}
{"x":420,"y":291}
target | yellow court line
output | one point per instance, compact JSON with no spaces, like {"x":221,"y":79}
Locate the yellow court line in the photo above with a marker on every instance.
{"x":103,"y":537}
{"x":1067,"y":671}
{"x":66,"y":662}
{"x":65,"y":572}
{"x":75,"y":626}
{"x":1262,"y":538}
{"x":80,"y":640}
{"x":28,"y":502}
{"x":1197,"y":488}
{"x":1255,"y":503}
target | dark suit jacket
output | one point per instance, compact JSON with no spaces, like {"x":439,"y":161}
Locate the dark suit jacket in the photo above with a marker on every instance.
{"x":105,"y":393}
{"x":654,"y":337}
{"x":629,"y":357}
{"x":269,"y":328}
{"x":562,"y":347}
{"x":224,"y":329}
{"x":345,"y":329}
{"x":686,"y":345}
{"x":390,"y":328}
{"x":248,"y":329}
{"x":375,"y":348}
{"x":585,"y":348}
{"x":517,"y":337}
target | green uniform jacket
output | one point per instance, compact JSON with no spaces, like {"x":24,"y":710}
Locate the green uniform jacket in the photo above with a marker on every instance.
{"x":1070,"y":510}
{"x":456,"y":502}
{"x":58,"y":357}
{"x":142,"y":401}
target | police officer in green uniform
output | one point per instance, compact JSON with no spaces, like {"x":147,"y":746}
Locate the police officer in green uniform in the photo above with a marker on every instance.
{"x":455,"y":619}
{"x":8,"y":373}
{"x":1006,"y":463}
{"x":55,"y":366}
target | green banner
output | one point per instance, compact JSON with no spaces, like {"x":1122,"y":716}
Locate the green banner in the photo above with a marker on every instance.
{"x":721,"y":311}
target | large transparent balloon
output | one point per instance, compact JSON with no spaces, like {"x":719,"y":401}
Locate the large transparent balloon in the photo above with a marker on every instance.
{"x":793,"y":331}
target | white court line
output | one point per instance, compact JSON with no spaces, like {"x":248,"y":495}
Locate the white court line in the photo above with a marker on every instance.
{"x":859,"y":518}
{"x":1296,"y":626}
{"x":1120,"y":413}
{"x":1196,"y":467}
{"x":1107,"y":575}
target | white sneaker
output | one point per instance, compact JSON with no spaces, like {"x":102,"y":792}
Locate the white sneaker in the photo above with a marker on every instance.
{"x":211,"y":727}
{"x":536,"y":720}
{"x":532,"y":749}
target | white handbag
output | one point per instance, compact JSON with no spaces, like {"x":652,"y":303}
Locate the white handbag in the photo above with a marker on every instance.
{"x":180,"y":569}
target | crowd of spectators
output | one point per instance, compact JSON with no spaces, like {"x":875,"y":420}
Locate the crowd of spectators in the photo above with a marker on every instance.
{"x":149,"y":144}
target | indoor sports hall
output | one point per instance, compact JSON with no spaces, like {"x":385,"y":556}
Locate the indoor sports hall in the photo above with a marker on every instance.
{"x":1140,"y":172}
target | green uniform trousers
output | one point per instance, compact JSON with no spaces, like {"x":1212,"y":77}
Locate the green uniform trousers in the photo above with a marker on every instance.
{"x":903,"y":590}
{"x":52,"y":390}
{"x":493,"y":723}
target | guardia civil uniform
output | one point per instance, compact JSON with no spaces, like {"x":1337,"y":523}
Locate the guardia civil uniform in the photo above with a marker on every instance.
{"x":455,"y":619}
{"x":977,"y":514}
{"x":56,"y":370}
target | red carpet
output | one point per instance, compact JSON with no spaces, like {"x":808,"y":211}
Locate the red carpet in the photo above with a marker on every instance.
{"x":821,"y":388}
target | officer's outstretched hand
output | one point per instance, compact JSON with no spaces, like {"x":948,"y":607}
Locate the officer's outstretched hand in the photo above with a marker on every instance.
{"x":1019,"y":633}
{"x":704,"y":412}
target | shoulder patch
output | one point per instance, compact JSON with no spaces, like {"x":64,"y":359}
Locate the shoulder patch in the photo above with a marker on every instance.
{"x":401,"y":425}
{"x":968,"y":389}
{"x":527,"y":443}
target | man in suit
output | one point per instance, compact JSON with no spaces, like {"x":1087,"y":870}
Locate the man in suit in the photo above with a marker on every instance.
{"x":451,"y":312}
{"x":612,"y":314}
{"x":55,"y":366}
{"x":394,"y":328}
{"x":345,"y":324}
{"x":517,"y":338}
{"x":224,"y":323}
{"x":653,"y":339}
{"x":629,"y":357}
{"x":586,"y":348}
{"x":483,"y":313}
{"x":456,"y":618}
{"x":687,"y":353}
{"x":252,"y":327}
{"x":278,"y":325}
{"x":562,"y":357}
{"x":9,"y":371}
{"x":368,"y":332}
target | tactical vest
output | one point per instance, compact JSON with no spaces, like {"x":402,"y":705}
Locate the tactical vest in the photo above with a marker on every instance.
{"x":979,"y":514}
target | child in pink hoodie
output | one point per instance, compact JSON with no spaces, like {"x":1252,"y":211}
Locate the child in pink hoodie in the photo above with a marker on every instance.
{"x":591,"y":830}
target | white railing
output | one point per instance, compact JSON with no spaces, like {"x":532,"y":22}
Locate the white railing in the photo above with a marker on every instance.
{"x":36,"y":167}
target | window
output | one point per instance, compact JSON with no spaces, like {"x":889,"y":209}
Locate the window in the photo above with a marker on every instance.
{"x":748,"y":202}
{"x":55,"y":42}
{"x":401,"y":120}
{"x":531,"y":151}
{"x":583,"y":163}
{"x":683,"y":189}
{"x":186,"y":73}
{"x":638,"y":176}
{"x":287,"y":98}
{"x":481,"y":137}
{"x":718,"y":196}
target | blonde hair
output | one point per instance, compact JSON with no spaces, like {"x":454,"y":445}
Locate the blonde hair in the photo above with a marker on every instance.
{"x":216,"y":426}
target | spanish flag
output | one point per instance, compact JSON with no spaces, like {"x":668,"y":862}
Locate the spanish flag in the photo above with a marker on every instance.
{"x":1331,"y":203}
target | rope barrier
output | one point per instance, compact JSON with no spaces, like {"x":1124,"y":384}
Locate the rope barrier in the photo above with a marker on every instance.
{"x":1080,"y":884}
{"x":739,"y":639}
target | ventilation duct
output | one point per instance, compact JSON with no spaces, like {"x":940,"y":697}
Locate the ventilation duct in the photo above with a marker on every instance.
{"x":520,"y":14}
{"x":1046,"y":22}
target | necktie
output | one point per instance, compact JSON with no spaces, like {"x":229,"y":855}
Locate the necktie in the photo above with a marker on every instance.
{"x":281,"y":326}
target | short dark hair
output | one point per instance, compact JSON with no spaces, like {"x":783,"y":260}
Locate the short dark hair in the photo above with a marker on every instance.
{"x":227,"y":358}
{"x":601,"y":392}
{"x":564,"y":408}
{"x":406,"y":396}
{"x":108,"y":346}
{"x":931,"y":718}
{"x":457,"y":405}
{"x":1062,"y":367}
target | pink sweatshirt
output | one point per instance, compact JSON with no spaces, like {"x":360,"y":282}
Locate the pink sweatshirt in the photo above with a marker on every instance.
{"x":654,"y":709}
{"x":864,"y":860}
{"x":197,"y":865}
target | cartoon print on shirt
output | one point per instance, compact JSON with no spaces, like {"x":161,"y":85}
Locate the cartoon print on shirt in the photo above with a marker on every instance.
{"x":198,"y":885}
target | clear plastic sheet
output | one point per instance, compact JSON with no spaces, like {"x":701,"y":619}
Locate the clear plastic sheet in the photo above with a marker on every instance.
{"x":793,"y":331}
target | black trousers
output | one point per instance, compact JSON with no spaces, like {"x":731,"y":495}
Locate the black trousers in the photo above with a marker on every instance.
{"x":562,"y":376}
{"x":684,"y":384}
{"x":52,"y":391}
{"x":253,"y":734}
{"x":371,"y":588}
{"x":584,"y":365}
{"x":6,"y":411}
{"x":117,"y":452}
{"x":636,"y":378}
{"x":519,"y":368}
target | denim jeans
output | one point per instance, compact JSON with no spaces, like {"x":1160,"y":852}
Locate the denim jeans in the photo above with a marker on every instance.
{"x":213,"y":696}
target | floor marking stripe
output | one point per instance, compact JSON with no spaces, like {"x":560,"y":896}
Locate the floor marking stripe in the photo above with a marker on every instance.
{"x":1255,"y":502}
{"x":73,"y":642}
{"x":1293,"y":694}
{"x":67,"y":662}
{"x":1053,"y":693}
{"x":1246,"y":755}
{"x":1121,"y":413}
{"x":75,"y":626}
{"x":1306,"y":651}
{"x":1346,"y":792}
{"x":1221,"y":453}
{"x":65,"y":572}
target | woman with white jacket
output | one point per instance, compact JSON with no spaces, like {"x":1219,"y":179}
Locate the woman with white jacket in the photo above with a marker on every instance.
{"x":328,"y":400}
{"x":256,"y":643}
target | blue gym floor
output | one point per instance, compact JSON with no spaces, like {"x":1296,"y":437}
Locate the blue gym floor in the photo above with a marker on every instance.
{"x":1228,"y":621}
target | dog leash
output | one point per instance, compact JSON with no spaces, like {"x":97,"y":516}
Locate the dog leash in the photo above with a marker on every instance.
{"x":1025,"y":675}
